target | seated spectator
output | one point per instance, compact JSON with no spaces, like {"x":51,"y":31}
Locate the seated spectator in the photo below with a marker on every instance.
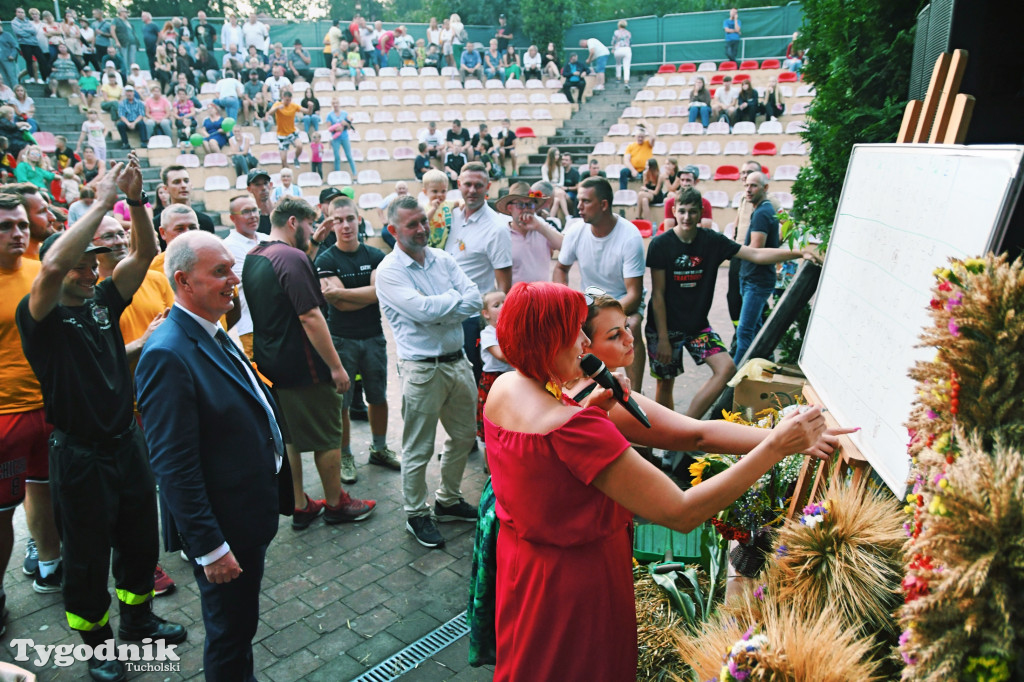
{"x":253,"y":86}
{"x":25,"y":107}
{"x":432,"y":57}
{"x":110,"y":94}
{"x":233,"y":60}
{"x":7,"y":162}
{"x":723,"y":106}
{"x":421,"y":164}
{"x":510,"y":64}
{"x":277,"y":58}
{"x":91,"y":168}
{"x":130,"y":114}
{"x":550,"y":60}
{"x":457,"y":134}
{"x":34,"y":168}
{"x":275,"y":85}
{"x":183,"y":115}
{"x":163,"y":69}
{"x":506,"y":138}
{"x":310,"y":111}
{"x":299,"y":63}
{"x":574,"y":73}
{"x":570,"y":181}
{"x":63,"y":70}
{"x":258,"y":113}
{"x":636,"y":155}
{"x":532,"y":64}
{"x":594,"y":170}
{"x":470,"y":64}
{"x":6,"y":94}
{"x":158,"y":113}
{"x":794,"y":58}
{"x":254,"y":55}
{"x":700,"y":102}
{"x":79,"y":208}
{"x":12,"y":131}
{"x":216,"y":137}
{"x":652,"y":192}
{"x":88,"y":86}
{"x":401,"y":190}
{"x":287,"y":187}
{"x":204,"y":67}
{"x":432,"y":138}
{"x":112,"y":57}
{"x":482,"y":144}
{"x":774,"y":104}
{"x":63,"y":155}
{"x":746,"y":103}
{"x":137,"y":79}
{"x":492,"y":61}
{"x":552,"y":172}
{"x":454,"y":160}
{"x":94,"y":134}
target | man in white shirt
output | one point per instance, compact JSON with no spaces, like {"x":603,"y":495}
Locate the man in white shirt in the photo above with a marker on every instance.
{"x":229,"y":94}
{"x":233,"y":59}
{"x":256,"y":33}
{"x":532,"y":64}
{"x":482,"y":246}
{"x":433,"y":139}
{"x":610,"y":252}
{"x":597,"y":58}
{"x":425,"y":297}
{"x":272,"y":86}
{"x":724,"y":101}
{"x":245,"y":216}
{"x":231,"y":33}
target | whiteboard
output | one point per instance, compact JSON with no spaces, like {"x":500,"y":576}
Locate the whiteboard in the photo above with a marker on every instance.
{"x":905,"y":209}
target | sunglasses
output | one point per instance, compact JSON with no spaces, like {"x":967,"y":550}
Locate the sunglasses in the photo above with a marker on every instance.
{"x":590,"y":294}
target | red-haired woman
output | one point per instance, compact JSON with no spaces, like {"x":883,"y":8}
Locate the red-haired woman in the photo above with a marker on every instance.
{"x":567,"y":484}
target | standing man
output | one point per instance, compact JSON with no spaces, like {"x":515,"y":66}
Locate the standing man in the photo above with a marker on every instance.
{"x":124,"y":36}
{"x":506,"y":145}
{"x":597,"y":59}
{"x":130,"y":114}
{"x":284,"y":112}
{"x":610,"y":252}
{"x":570,"y":181}
{"x":756,"y":281}
{"x":743,"y":214}
{"x":104,"y":495}
{"x":25,"y":32}
{"x":179,"y":187}
{"x":292,"y":347}
{"x":205,"y":32}
{"x":231,"y":34}
{"x":257,"y":34}
{"x":504,"y":34}
{"x":480,"y":243}
{"x":732,"y":29}
{"x":41,"y":221}
{"x":426,"y":297}
{"x":245,"y":216}
{"x":104,"y":29}
{"x":150,"y":37}
{"x":216,"y":450}
{"x":348,"y":276}
{"x":261,"y":187}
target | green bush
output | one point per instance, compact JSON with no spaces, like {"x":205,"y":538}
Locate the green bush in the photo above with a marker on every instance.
{"x":859,"y":62}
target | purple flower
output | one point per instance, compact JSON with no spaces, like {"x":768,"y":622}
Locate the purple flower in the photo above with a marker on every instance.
{"x":749,"y":632}
{"x":932,"y":414}
{"x":782,"y":550}
{"x":735,"y":671}
{"x":954,"y":328}
{"x":955,"y":301}
{"x":759,"y":593}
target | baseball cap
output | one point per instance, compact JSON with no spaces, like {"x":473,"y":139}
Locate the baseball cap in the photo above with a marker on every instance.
{"x":110,"y":65}
{"x":49,"y":241}
{"x":135,"y":66}
{"x":255,"y":174}
{"x":349,"y":192}
{"x":692,"y":170}
{"x":86,"y":68}
{"x":329,"y":194}
{"x":129,"y":88}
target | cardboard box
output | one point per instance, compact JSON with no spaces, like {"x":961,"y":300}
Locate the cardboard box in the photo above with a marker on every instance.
{"x":770,"y":390}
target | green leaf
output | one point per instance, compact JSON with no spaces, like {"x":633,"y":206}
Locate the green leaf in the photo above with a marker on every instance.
{"x":691,"y":575}
{"x":680,"y":601}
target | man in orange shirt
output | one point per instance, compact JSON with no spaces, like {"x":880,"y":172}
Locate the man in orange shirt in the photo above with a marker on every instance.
{"x":41,"y":221}
{"x":24,"y":459}
{"x":284,"y":112}
{"x":176,"y":219}
{"x":636,"y":155}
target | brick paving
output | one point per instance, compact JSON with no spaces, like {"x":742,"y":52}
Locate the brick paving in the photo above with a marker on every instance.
{"x":336,"y":600}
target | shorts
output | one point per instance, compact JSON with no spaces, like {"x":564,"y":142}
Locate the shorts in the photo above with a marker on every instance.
{"x":369,"y":358}
{"x":353,"y":72}
{"x":90,"y":93}
{"x":310,"y":417}
{"x":283,"y":143}
{"x":599,"y":64}
{"x":700,"y":346}
{"x":24,"y":454}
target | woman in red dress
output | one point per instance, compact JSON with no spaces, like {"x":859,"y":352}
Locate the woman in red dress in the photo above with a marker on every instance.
{"x":567,"y":484}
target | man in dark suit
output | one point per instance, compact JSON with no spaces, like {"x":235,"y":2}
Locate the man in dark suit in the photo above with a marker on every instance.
{"x":216,"y":449}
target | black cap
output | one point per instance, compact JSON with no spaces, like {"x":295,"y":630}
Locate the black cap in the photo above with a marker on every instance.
{"x":48,"y":242}
{"x":255,"y":174}
{"x":329,"y":194}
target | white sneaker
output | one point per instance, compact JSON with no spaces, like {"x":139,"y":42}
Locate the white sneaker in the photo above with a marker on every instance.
{"x":599,"y":88}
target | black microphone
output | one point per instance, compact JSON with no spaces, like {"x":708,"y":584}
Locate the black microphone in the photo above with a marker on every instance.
{"x":595,"y":369}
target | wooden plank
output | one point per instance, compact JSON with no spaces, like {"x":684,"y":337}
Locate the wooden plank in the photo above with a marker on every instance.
{"x":931,"y":100}
{"x":949,"y":92}
{"x":910,"y":117}
{"x":960,"y":119}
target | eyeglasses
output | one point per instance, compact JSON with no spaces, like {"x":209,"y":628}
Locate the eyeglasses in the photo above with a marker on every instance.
{"x":523,"y":205}
{"x":247,"y":213}
{"x":593,"y":293}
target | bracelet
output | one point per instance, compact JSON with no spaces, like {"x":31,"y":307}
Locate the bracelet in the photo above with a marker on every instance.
{"x":314,"y":242}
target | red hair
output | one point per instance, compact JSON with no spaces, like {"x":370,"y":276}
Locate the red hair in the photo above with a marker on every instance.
{"x":539,"y":320}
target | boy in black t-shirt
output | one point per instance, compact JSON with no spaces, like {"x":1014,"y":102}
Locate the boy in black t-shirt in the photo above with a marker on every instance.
{"x":454,"y":160}
{"x":422,"y":162}
{"x":684,"y":265}
{"x":506,"y":145}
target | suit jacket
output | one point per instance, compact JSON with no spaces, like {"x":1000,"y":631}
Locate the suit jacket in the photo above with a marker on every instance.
{"x":209,"y":440}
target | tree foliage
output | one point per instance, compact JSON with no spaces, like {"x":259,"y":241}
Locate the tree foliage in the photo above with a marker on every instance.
{"x":545,"y":21}
{"x":859,"y":62}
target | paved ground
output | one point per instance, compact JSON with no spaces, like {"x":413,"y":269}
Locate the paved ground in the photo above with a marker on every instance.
{"x":337,"y":600}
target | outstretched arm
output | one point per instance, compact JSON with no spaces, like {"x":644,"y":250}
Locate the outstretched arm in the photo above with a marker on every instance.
{"x":143,"y":247}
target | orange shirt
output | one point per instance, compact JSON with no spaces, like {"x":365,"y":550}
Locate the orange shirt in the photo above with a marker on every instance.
{"x":158,"y":264}
{"x":639,"y":154}
{"x":285,"y":118}
{"x":33,"y":249}
{"x":19,"y":388}
{"x":153,"y":297}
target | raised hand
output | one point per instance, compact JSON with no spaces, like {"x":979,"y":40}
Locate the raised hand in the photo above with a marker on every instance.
{"x":799,"y":431}
{"x":130,"y":180}
{"x":106,"y":189}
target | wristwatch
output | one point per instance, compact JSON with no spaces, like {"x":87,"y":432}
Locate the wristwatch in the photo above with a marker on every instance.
{"x":143,"y":200}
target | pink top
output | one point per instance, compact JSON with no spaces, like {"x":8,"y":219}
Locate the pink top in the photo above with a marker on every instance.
{"x":531,"y":257}
{"x":122,"y":211}
{"x":158,"y":109}
{"x":316,"y":149}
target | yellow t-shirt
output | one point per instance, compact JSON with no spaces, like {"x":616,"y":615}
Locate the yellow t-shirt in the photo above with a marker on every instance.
{"x":19,"y":388}
{"x":158,"y":263}
{"x":32,"y":251}
{"x":639,"y":154}
{"x":285,"y":118}
{"x":153,"y":297}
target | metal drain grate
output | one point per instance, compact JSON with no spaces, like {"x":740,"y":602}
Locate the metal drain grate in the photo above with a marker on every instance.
{"x":422,"y":649}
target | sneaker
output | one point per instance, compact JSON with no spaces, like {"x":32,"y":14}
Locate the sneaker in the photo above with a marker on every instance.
{"x":31,"y":564}
{"x":184,"y":557}
{"x":348,"y":469}
{"x":425,"y":531}
{"x":385,"y":458}
{"x":460,"y":511}
{"x":303,"y":517}
{"x":51,"y":583}
{"x":162,"y":583}
{"x":349,"y":510}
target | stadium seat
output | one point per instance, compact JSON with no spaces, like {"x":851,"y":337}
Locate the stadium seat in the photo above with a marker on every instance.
{"x":473,"y":84}
{"x":612,"y":170}
{"x":240,"y":182}
{"x":323,"y":86}
{"x":215,"y":161}
{"x":520,"y":98}
{"x":559,"y":98}
{"x":369,"y":101}
{"x":708,"y":148}
{"x":346,"y":100}
{"x":727,"y":173}
{"x":497,"y":115}
{"x":645,"y":227}
{"x":407,"y":71}
{"x":390,"y":101}
{"x":770,"y":128}
{"x":534,"y":84}
{"x":660,"y":148}
{"x":771,"y":64}
{"x":155,"y":142}
{"x":336,"y":178}
{"x":542,"y":115}
{"x":431,"y":84}
{"x":377,"y":154}
{"x":475,"y":115}
{"x":451,"y":114}
{"x":737,"y":198}
{"x":736,"y":147}
{"x":805,"y":91}
{"x":401,"y":135}
{"x":692,"y":128}
{"x":787,"y":77}
{"x":740,"y":78}
{"x":496,"y":98}
{"x":718,"y":128}
{"x":449,"y":72}
{"x":215,"y":183}
{"x":678,"y":79}
{"x":667,"y":68}
{"x":644,"y":96}
{"x":707,"y":66}
{"x":383,"y":117}
{"x":796,"y":127}
{"x":604,"y":148}
{"x":681,"y":147}
{"x":370,"y":200}
{"x":618,"y":130}
{"x":410,"y":84}
{"x":514,"y":85}
{"x":405,"y":116}
{"x":309,"y":180}
{"x":269,"y":157}
{"x":749,"y":64}
{"x":494,"y":84}
{"x":430,"y":115}
{"x":368,"y":177}
{"x":727,"y":66}
{"x":655,"y":82}
{"x":345,"y":86}
{"x":717,"y":79}
{"x":375,"y":135}
{"x":666,"y":95}
{"x":452,"y":85}
{"x":668,"y":128}
{"x":539,"y":98}
{"x":785,"y":199}
{"x":687,"y":68}
{"x":519,"y":114}
{"x":455,"y":98}
{"x":744,"y":128}
{"x":798,"y":108}
{"x":359,"y":117}
{"x":705,"y":171}
{"x":717,"y":198}
{"x":186,"y":160}
{"x":388,"y":85}
{"x":678,"y":112}
{"x":655,"y":112}
{"x":624,"y":197}
{"x":365,"y":85}
{"x":764,"y":149}
{"x":525,"y":131}
{"x":786,"y":172}
{"x":403,"y":153}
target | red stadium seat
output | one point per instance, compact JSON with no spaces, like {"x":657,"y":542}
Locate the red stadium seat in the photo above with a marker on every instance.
{"x":771,"y":64}
{"x":749,"y":64}
{"x":645,"y":227}
{"x":667,"y":68}
{"x":47,"y":141}
{"x":740,"y":77}
{"x":727,"y":173}
{"x":687,"y":68}
{"x":717,"y":79}
{"x":727,"y":66}
{"x":765,"y":149}
{"x":525,"y":131}
{"x":787,"y":77}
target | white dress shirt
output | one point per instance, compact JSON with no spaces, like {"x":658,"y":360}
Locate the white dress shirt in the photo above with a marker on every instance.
{"x":238,"y":245}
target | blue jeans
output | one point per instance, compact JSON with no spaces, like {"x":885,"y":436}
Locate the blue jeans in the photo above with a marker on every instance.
{"x":336,"y":144}
{"x":624,"y":177}
{"x":702,"y":110}
{"x":230,"y":105}
{"x":731,"y":48}
{"x":755,"y":296}
{"x":311,"y":121}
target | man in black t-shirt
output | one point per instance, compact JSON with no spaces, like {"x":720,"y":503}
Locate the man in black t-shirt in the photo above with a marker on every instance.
{"x":482,"y":143}
{"x":179,"y":188}
{"x":104,"y":495}
{"x":506,"y":145}
{"x":457,"y":133}
{"x":571,"y":181}
{"x":684,"y":265}
{"x":348,"y":280}
{"x":454,"y":160}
